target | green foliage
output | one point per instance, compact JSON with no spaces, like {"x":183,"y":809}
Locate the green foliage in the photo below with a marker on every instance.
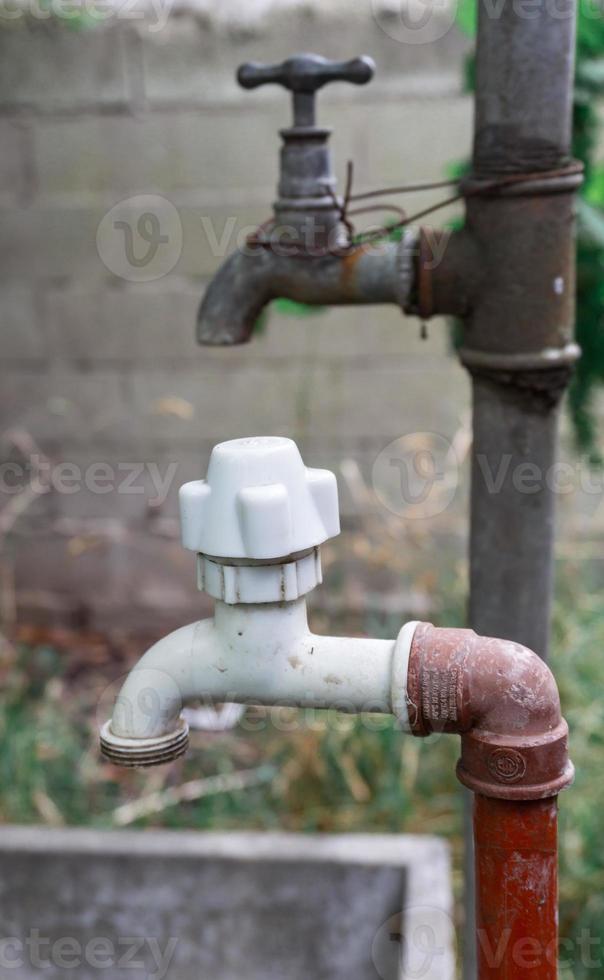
{"x":578,"y":633}
{"x":74,"y":16}
{"x":467,"y":17}
{"x":291,"y":308}
{"x":589,"y":87}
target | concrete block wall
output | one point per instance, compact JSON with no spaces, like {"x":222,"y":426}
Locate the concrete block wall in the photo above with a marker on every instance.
{"x":99,"y":367}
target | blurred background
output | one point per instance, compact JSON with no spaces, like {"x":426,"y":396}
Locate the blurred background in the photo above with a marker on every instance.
{"x":132,"y":164}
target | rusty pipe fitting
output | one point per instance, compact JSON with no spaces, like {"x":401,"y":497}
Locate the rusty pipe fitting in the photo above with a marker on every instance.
{"x":447,"y":273}
{"x":503,"y":701}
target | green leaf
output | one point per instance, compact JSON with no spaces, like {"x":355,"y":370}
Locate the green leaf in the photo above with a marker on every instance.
{"x":290,"y":307}
{"x":591,"y":222}
{"x":467,"y":17}
{"x":590,"y":73}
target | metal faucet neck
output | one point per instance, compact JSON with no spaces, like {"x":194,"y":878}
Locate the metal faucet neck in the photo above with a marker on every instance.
{"x":307,"y":211}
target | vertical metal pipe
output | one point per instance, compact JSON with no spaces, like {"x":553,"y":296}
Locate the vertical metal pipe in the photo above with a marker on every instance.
{"x":512,"y":515}
{"x":518,"y":337}
{"x":523,"y":313}
{"x":516,"y":889}
{"x":524,"y":73}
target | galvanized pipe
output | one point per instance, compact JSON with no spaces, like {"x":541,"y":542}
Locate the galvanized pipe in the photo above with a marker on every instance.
{"x":512,"y":515}
{"x":518,"y":337}
{"x":524,"y":73}
{"x":380,"y":272}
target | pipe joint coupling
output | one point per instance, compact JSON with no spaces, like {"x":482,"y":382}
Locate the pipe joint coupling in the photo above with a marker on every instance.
{"x":509,"y":767}
{"x":502,"y":699}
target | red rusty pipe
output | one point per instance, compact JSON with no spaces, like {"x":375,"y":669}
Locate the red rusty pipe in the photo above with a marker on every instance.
{"x":503,"y":701}
{"x":516,"y":888}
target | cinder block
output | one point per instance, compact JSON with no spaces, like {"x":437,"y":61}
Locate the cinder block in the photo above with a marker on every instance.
{"x":442,"y":136}
{"x":153,"y":322}
{"x":163,"y":574}
{"x":48,"y":66}
{"x":121,"y":486}
{"x":106,"y":574}
{"x":149,"y":322}
{"x":23,"y":337}
{"x":85,"y":565}
{"x":375,"y":334}
{"x":283,"y":336}
{"x":66,"y":242}
{"x":194,"y":60}
{"x":215,"y":403}
{"x":137,"y":323}
{"x":63,"y":408}
{"x":24,"y":395}
{"x":15,"y":167}
{"x":355,"y":402}
{"x":207,"y":152}
{"x":210,"y":234}
{"x":50,"y":242}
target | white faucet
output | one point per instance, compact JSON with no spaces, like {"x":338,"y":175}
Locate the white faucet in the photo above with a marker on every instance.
{"x":256,"y":523}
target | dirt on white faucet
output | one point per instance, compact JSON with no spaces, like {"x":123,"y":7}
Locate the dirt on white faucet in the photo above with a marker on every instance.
{"x":256,"y":524}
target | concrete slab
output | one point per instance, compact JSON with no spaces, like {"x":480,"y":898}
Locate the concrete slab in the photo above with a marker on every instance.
{"x":194,"y":906}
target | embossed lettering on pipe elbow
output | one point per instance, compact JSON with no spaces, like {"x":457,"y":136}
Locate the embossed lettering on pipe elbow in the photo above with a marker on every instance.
{"x":502,"y":699}
{"x":253,"y":276}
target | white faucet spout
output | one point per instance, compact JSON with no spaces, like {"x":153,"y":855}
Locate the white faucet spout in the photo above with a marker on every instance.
{"x":251,"y":654}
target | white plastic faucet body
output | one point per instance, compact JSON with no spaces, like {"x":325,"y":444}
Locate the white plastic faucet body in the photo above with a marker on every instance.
{"x":259,"y":651}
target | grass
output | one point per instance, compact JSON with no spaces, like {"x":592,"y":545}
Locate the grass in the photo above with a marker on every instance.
{"x":334,"y":773}
{"x":579,"y":666}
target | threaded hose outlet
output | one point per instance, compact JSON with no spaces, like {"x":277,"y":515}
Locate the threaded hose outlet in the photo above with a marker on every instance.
{"x":144,"y":752}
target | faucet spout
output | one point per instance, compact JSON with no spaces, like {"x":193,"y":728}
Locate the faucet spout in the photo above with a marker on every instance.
{"x":146,"y":728}
{"x":254,"y":275}
{"x":234,"y":299}
{"x":256,"y":653}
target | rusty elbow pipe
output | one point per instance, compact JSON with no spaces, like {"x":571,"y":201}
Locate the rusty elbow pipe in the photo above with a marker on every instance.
{"x":503,"y":701}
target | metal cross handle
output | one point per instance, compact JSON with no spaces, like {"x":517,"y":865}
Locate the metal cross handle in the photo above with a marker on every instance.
{"x":303,"y":75}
